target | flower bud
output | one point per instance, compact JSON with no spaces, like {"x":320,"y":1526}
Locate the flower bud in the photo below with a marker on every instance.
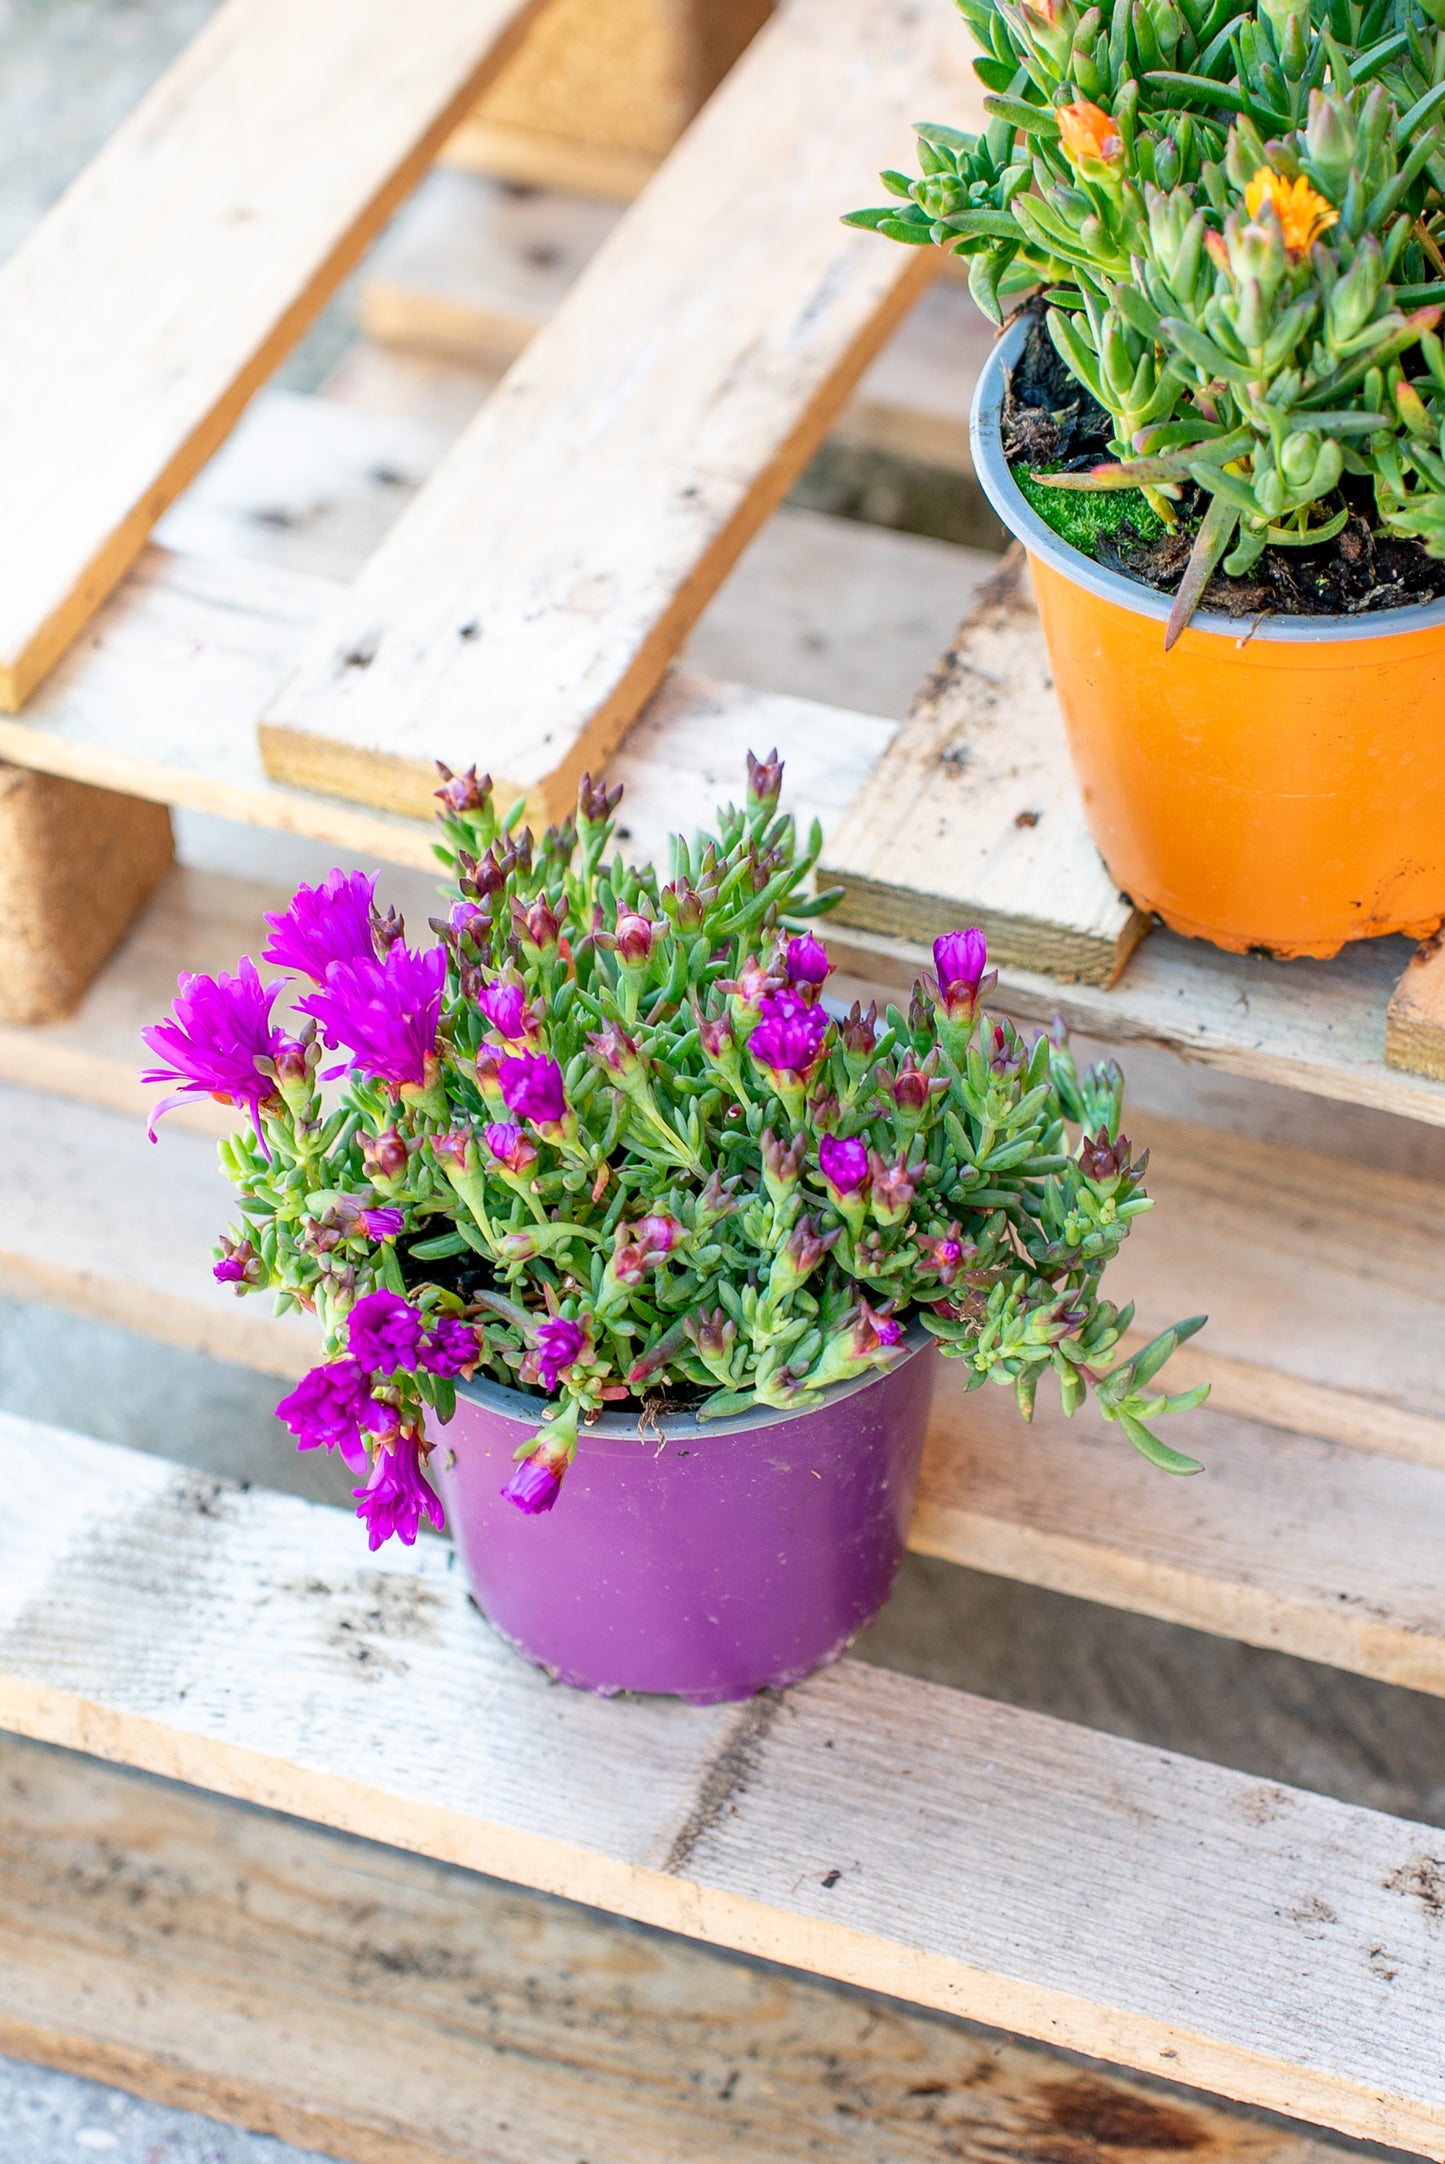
{"x":893,"y":1191}
{"x":463,"y":792}
{"x":537,"y":926}
{"x":684,"y":905}
{"x":596,"y":802}
{"x":384,"y":1156}
{"x":1089,"y":137}
{"x":512,"y":1148}
{"x":635,"y":936}
{"x":613,"y":1049}
{"x":765,"y":779}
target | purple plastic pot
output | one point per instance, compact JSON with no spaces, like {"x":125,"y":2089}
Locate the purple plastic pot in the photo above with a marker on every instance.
{"x":710,"y":1560}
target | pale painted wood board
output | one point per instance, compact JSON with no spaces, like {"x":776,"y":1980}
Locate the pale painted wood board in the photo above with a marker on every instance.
{"x":1312,"y":1026}
{"x":392,"y":2010}
{"x":97,"y":1220}
{"x":158,"y":700}
{"x":175,"y":272}
{"x":974,"y":814}
{"x":1415,"y":1021}
{"x":1258,"y":1941}
{"x":527,"y":603}
{"x":1286,"y":1540}
{"x":473,"y":268}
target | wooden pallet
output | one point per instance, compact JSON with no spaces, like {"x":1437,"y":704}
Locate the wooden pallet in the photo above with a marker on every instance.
{"x":992,"y":1863}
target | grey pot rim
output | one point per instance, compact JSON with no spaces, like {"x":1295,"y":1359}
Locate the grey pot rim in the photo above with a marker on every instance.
{"x":621,"y":1424}
{"x":1018,"y":515}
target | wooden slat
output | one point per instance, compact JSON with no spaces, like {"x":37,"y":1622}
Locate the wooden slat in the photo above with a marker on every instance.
{"x":1415,"y":1021}
{"x":975,"y":815}
{"x":164,"y":287}
{"x":1309,"y":1547}
{"x":896,"y":1835}
{"x":396,"y":2011}
{"x":473,"y":270}
{"x":158,"y":701}
{"x":1287,"y":1540}
{"x":1318,"y":1027}
{"x":527,"y":604}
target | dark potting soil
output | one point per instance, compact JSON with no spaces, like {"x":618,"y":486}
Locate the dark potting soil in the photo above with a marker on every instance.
{"x":1051,"y":423}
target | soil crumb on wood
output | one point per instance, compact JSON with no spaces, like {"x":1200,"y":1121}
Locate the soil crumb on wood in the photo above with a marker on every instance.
{"x":1050,"y":423}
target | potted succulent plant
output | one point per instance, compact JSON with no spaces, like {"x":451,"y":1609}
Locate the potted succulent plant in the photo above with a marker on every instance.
{"x":633,"y":1253}
{"x":1219,"y":431}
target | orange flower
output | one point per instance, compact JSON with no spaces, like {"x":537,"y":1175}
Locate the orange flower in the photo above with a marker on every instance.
{"x":1086,"y":132}
{"x":1302,"y":211}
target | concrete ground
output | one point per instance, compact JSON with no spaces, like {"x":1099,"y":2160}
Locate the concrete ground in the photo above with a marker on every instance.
{"x":69,"y":69}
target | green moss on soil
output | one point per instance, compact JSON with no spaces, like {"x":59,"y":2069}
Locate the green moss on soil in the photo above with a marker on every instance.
{"x":1079,"y":516}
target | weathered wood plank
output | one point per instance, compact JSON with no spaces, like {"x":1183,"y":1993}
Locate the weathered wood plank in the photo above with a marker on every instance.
{"x":473,"y":270}
{"x":169,"y":280}
{"x":158,"y":701}
{"x":527,"y":604}
{"x":1288,"y":1540}
{"x":1415,"y":1019}
{"x":895,"y":1835}
{"x":1312,"y":1026}
{"x":974,"y":812}
{"x":396,"y":2011}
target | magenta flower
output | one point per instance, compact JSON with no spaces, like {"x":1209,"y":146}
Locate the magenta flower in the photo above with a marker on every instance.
{"x":558,"y":1344}
{"x":449,"y":1347}
{"x":532,"y":1087}
{"x":383,"y":1224}
{"x":789,"y":1039}
{"x":806,"y":961}
{"x":510,"y":1146}
{"x":325,"y":924}
{"x":230,"y":1270}
{"x":384,"y":1013}
{"x":210,"y":1042}
{"x":960,"y":959}
{"x":397,"y":1496}
{"x":844,"y":1165}
{"x":505,"y":1007}
{"x":535,"y":1486}
{"x":384,"y":1332}
{"x":463,"y":915}
{"x":943,"y":1255}
{"x":332,"y":1408}
{"x":873,"y":1331}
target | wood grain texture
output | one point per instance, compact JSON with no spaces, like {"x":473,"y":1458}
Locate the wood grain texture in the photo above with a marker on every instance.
{"x":529,"y":158}
{"x":974,"y":814}
{"x":472,"y":269}
{"x":526,"y":605}
{"x":1289,"y":1539}
{"x":892,"y":1834}
{"x":1415,"y":1019}
{"x":76,"y":864}
{"x":158,"y":701}
{"x":169,"y":280}
{"x":1310,"y":1547}
{"x":396,"y":2011}
{"x":1318,"y":1027}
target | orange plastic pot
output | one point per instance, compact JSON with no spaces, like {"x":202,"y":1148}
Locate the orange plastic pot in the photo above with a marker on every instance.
{"x":1276,"y":787}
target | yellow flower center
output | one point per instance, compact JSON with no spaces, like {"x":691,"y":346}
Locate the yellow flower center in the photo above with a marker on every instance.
{"x":1303,"y":213}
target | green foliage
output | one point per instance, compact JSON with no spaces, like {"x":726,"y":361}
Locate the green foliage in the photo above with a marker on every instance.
{"x":1238,"y":216}
{"x":671,"y":1201}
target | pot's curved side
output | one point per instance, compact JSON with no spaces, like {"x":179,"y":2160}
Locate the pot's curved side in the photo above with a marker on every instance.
{"x":1277,"y":786}
{"x":686,"y":1560}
